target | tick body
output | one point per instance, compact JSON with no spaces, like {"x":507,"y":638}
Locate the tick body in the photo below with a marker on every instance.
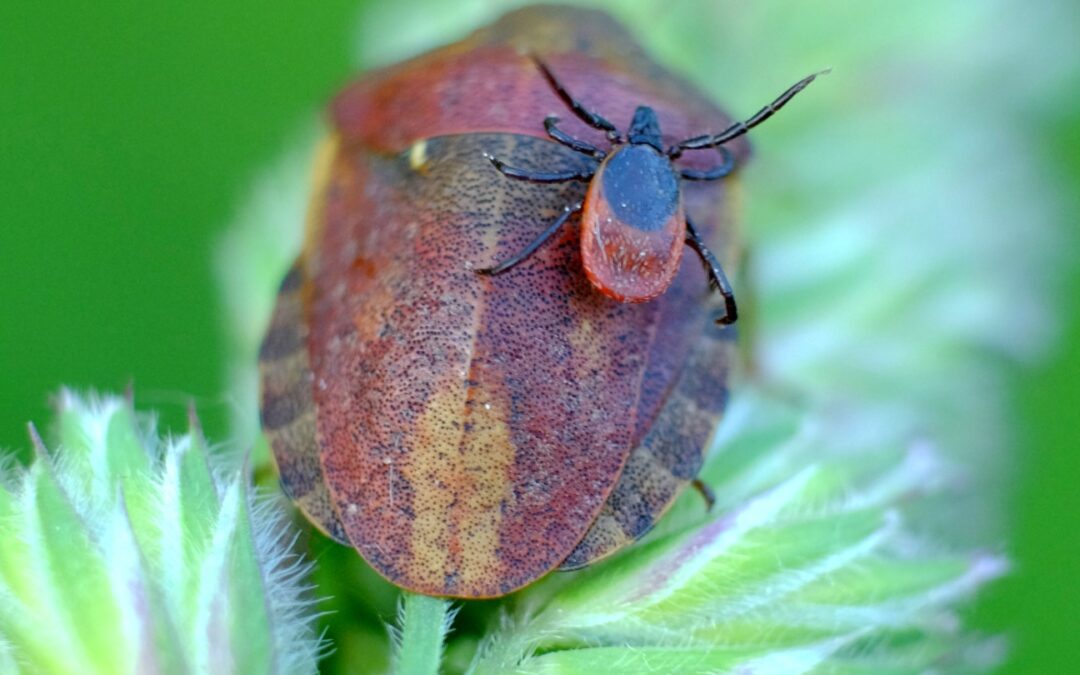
{"x":633,"y":224}
{"x":633,"y":228}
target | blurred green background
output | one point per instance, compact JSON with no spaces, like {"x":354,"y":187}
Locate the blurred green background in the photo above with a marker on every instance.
{"x":129,"y":132}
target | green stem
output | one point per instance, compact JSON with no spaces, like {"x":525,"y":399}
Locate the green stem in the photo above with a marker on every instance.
{"x":424,"y":624}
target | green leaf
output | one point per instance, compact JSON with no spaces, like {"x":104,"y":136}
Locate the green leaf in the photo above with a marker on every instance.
{"x":72,"y":566}
{"x":124,"y":556}
{"x":252,"y":635}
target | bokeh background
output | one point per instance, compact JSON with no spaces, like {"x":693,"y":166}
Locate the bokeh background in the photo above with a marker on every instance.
{"x":130,"y":132}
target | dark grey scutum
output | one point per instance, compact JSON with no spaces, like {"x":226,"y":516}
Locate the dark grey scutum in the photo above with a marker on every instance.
{"x":641,"y":187}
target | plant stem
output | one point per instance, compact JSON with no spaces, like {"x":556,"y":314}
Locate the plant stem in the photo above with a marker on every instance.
{"x":424,"y":624}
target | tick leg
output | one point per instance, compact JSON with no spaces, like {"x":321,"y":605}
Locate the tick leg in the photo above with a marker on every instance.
{"x":531,"y":248}
{"x":594,"y":120}
{"x":715,"y":173}
{"x":740,"y":128}
{"x":541,"y":176}
{"x":551,"y":126}
{"x":706,"y":493}
{"x":717,"y":279}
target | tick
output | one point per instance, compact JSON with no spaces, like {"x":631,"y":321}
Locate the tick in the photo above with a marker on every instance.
{"x":633,"y":224}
